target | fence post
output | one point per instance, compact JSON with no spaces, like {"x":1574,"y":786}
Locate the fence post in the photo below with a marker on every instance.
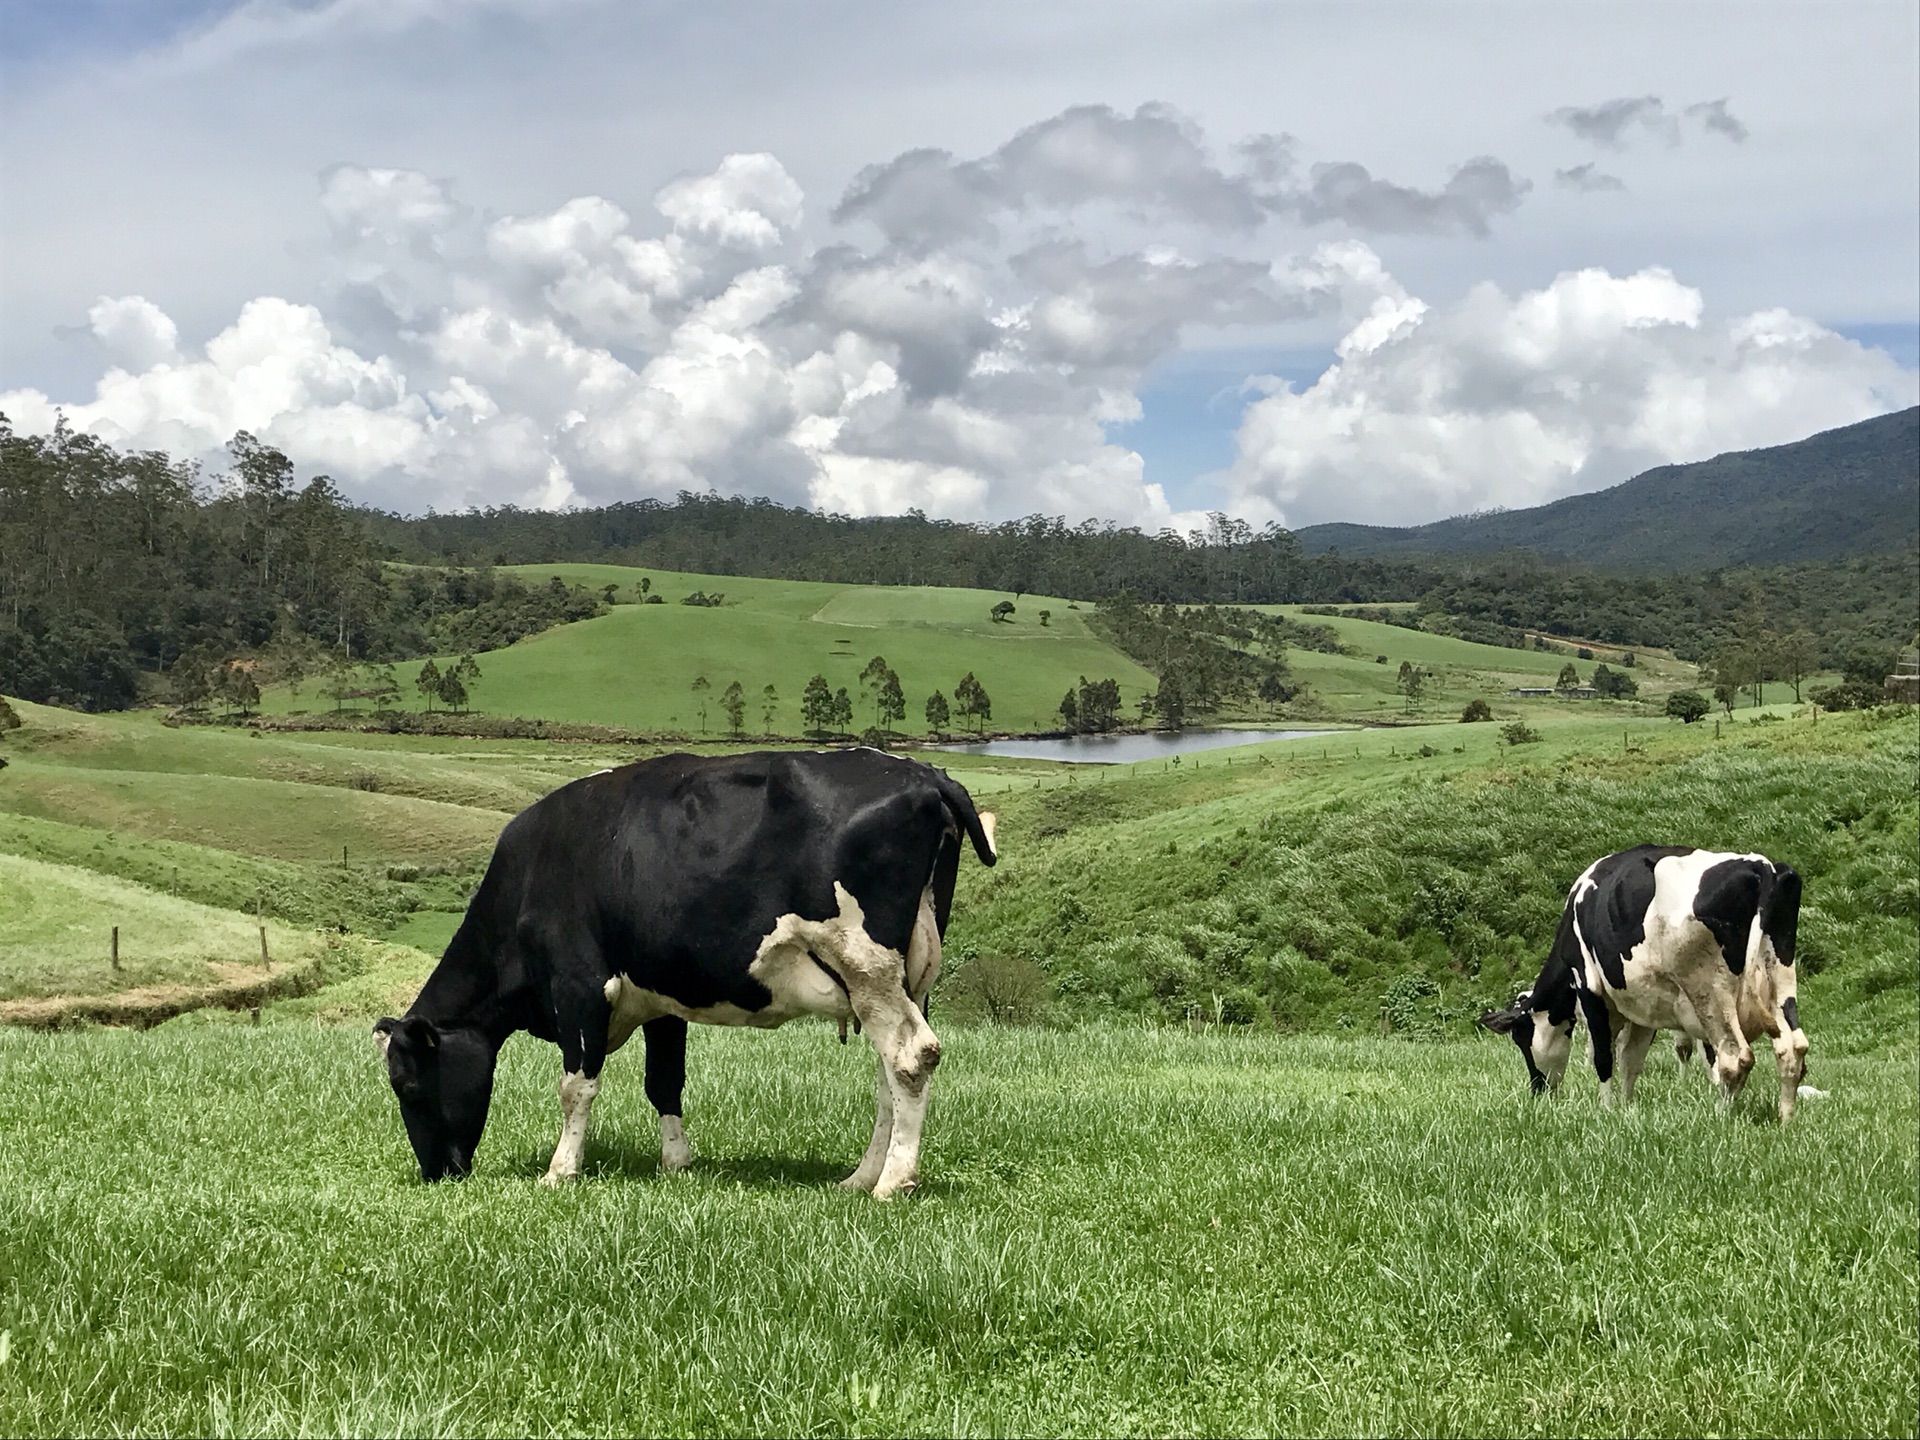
{"x":116,"y":947}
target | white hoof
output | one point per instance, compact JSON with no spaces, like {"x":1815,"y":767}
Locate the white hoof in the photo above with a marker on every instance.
{"x":553,"y":1179}
{"x":676,"y":1153}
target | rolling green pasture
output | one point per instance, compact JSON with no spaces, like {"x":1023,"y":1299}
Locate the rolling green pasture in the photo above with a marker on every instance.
{"x":56,"y":934}
{"x":213,"y":1229}
{"x":635,"y":667}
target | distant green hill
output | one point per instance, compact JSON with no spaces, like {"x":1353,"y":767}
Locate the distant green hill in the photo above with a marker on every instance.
{"x":1842,"y":492}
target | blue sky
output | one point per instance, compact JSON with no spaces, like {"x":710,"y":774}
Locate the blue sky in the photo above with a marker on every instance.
{"x":867,"y":255}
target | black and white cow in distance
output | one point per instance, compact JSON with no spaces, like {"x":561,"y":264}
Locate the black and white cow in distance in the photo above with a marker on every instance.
{"x":1664,"y":937}
{"x":734,"y":890}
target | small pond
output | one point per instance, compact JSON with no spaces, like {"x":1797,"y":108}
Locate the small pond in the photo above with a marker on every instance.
{"x":1125,"y":749}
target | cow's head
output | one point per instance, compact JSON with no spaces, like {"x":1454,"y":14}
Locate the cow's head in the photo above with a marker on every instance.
{"x":444,"y":1079}
{"x":1516,"y":1021}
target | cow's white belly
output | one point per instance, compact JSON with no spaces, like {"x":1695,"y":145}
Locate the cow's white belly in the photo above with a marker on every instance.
{"x":794,"y":979}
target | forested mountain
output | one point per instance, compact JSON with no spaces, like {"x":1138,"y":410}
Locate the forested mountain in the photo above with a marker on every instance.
{"x":1851,"y":491}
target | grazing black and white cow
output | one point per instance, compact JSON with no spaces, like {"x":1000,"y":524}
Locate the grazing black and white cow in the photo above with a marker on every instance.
{"x":1664,"y":937}
{"x":737,"y":890}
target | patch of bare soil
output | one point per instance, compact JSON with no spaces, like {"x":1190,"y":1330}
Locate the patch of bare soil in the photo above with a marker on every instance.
{"x":239,"y":987}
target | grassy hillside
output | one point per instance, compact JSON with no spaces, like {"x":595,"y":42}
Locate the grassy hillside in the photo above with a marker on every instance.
{"x":1362,"y":873}
{"x":1292,"y":883}
{"x":1842,"y":492}
{"x":56,"y":926}
{"x":635,"y":667}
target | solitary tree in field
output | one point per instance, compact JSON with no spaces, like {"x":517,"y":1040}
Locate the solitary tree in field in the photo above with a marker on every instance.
{"x":1799,"y":657}
{"x":733,"y":700}
{"x":880,"y":687}
{"x":1687,"y":706}
{"x":1412,"y":681}
{"x":816,"y":706}
{"x":238,"y":689}
{"x":769,"y":707}
{"x":1273,"y":690}
{"x":1045,"y":616}
{"x":842,"y":710}
{"x":1476,"y":710}
{"x":339,"y":686}
{"x":427,"y":682}
{"x":938,"y":714}
{"x":1099,"y":704}
{"x":1568,"y":678}
{"x":646,"y":584}
{"x":383,"y":687}
{"x":700,"y":687}
{"x":891,"y":704}
{"x":1070,"y":709}
{"x":457,"y":682}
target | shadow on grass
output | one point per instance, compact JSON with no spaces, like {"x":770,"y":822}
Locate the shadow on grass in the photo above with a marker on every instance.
{"x":615,"y":1159}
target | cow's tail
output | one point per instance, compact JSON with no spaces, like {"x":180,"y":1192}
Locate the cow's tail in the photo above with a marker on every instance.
{"x":978,"y":824}
{"x":1779,"y":913}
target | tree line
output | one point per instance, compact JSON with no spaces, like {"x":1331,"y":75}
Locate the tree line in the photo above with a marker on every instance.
{"x":126,"y":574}
{"x":116,"y":565}
{"x":829,"y":713}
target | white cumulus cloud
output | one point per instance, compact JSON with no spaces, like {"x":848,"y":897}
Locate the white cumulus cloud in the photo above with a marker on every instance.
{"x":1518,"y":400}
{"x":969,"y":341}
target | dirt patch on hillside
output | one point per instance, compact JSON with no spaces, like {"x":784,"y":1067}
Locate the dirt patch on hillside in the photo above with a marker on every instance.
{"x":239,"y":987}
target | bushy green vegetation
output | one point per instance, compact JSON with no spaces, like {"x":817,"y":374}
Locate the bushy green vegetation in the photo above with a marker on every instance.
{"x":1300,"y":893}
{"x":213,"y":1228}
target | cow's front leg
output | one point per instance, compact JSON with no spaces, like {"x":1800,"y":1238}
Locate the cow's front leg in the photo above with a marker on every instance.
{"x":867,"y":1174}
{"x":666,"y":1040}
{"x":1630,"y":1056}
{"x":582,"y":1030}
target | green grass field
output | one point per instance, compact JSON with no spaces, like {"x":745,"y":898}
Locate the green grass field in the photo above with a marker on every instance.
{"x":212,"y":1229}
{"x":1282,"y":1223}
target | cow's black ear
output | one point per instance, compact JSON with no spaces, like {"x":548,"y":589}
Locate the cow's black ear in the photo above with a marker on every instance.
{"x":414,"y":1033}
{"x":1501,"y":1022}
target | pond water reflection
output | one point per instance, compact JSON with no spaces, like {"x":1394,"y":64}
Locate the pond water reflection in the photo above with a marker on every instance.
{"x":1126,"y":749}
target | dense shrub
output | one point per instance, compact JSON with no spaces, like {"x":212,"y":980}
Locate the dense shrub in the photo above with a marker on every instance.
{"x":1849,"y":695}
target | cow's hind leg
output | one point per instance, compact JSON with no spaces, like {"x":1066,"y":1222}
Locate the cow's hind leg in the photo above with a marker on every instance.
{"x":876,"y":980}
{"x":1790,"y":1054}
{"x":580,"y":1017}
{"x":867,"y":1174}
{"x":666,"y":1040}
